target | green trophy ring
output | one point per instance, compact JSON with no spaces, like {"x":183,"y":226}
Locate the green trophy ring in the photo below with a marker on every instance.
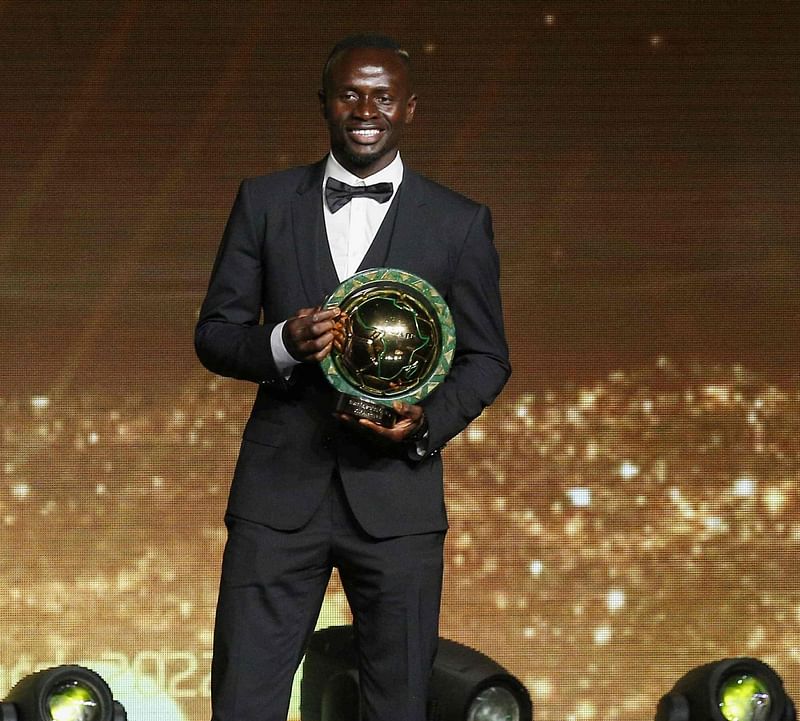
{"x":398,"y":342}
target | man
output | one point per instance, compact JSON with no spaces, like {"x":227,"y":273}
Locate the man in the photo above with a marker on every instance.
{"x":313,"y":490}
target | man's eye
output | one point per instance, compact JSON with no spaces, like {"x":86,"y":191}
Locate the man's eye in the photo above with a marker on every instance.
{"x":385,"y":99}
{"x":349,"y":97}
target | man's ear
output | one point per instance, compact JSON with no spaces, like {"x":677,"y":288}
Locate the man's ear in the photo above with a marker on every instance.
{"x":411,"y":106}
{"x":322,"y":104}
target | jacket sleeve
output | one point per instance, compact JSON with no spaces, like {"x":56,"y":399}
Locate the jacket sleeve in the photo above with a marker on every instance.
{"x":481,"y":365}
{"x":229,"y":338}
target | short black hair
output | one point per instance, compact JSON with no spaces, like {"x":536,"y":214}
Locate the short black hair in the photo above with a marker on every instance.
{"x":364,"y":40}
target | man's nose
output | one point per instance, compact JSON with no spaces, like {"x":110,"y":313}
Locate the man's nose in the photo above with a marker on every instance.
{"x":365,"y":107}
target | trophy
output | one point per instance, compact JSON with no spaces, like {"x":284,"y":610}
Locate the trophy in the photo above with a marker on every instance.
{"x":395,"y":341}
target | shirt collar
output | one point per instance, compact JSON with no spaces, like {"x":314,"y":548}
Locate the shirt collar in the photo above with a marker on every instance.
{"x":392,"y":173}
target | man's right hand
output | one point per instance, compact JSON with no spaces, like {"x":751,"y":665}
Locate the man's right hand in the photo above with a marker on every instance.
{"x":308,"y":335}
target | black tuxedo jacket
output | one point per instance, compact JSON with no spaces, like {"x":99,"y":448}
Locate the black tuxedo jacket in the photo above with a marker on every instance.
{"x":274,"y":259}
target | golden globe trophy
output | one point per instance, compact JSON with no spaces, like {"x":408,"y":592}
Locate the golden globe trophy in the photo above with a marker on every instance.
{"x":397,"y":342}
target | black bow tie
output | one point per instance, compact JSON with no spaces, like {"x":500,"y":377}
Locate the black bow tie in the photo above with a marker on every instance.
{"x":339,"y":194}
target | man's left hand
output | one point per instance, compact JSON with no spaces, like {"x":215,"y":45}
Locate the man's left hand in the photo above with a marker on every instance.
{"x":410,"y":419}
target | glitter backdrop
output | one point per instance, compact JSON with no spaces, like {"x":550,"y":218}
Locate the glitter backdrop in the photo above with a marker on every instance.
{"x":628,"y":508}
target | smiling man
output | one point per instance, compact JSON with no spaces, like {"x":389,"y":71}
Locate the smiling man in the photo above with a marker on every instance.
{"x":313,"y":490}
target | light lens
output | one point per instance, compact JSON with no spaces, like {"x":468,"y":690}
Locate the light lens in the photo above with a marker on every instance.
{"x":495,"y":703}
{"x":73,"y":701}
{"x":744,"y":698}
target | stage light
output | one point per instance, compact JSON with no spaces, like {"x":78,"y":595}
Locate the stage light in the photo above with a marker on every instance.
{"x":734,"y":689}
{"x":466,"y":685}
{"x":62,"y":693}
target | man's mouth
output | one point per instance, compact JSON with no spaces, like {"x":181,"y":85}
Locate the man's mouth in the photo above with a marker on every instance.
{"x":364,"y":135}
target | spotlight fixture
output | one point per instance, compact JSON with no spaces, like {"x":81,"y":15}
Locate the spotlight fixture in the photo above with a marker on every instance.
{"x":62,"y":693}
{"x":466,"y":685}
{"x":734,"y":689}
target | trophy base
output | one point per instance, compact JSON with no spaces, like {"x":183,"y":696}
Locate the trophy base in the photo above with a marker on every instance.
{"x":363,"y":408}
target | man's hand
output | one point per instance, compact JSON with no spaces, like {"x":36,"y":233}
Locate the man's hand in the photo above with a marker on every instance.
{"x":308,"y":335}
{"x":410,"y":419}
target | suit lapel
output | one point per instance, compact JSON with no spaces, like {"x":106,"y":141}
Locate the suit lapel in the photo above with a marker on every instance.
{"x":379,"y":248}
{"x":404,"y":241}
{"x":317,"y":271}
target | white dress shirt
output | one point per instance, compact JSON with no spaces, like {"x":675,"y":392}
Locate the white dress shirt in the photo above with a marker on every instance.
{"x":352,"y":228}
{"x":350,"y":232}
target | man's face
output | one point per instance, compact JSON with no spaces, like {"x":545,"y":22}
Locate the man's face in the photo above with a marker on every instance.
{"x":366,"y":102}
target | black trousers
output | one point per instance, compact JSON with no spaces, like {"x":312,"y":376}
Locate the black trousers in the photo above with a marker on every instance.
{"x":272,"y":587}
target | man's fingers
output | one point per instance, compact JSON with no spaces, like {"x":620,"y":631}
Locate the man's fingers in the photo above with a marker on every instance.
{"x":307,"y":335}
{"x":396,"y":433}
{"x":320,"y":313}
{"x":327,"y":314}
{"x":311,"y":322}
{"x":323,"y":353}
{"x":406,"y":410}
{"x":409,"y":420}
{"x":315,"y":344}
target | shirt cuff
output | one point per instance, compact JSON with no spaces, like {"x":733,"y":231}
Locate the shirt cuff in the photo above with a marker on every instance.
{"x":284,"y":361}
{"x":421,"y":447}
{"x":419,"y":442}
